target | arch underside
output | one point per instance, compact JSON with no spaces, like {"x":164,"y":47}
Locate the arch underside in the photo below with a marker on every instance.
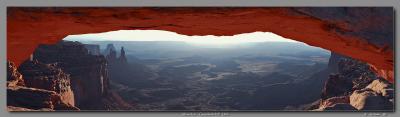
{"x":364,"y":33}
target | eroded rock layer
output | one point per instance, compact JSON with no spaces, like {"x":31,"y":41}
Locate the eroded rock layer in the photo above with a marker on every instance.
{"x":14,"y":78}
{"x":89,"y":75}
{"x":49,"y":77}
{"x":355,"y":87}
{"x":36,"y":99}
{"x":40,"y":91}
{"x":363,"y":33}
{"x":64,"y":76}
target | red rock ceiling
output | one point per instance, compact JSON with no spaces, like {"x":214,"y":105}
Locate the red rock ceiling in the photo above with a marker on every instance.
{"x":361,"y":33}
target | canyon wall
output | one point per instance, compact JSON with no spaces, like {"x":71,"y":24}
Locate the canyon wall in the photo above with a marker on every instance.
{"x":362,"y":33}
{"x":93,"y":49}
{"x":14,"y":78}
{"x":60,"y":77}
{"x":38,"y":87}
{"x":89,"y":75}
{"x":354,"y":86}
{"x":49,"y":77}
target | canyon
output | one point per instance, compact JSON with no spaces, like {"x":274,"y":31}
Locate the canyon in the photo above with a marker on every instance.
{"x":74,"y":76}
{"x":71,"y":76}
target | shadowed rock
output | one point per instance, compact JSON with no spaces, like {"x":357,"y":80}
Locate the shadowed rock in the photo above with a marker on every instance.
{"x":334,"y":100}
{"x":14,"y":78}
{"x":336,"y":85}
{"x":382,"y":87}
{"x":88,"y":73}
{"x":340,"y":107}
{"x":49,"y":77}
{"x":367,"y":99}
{"x":357,"y":85}
{"x":93,"y":49}
{"x":36,"y":99}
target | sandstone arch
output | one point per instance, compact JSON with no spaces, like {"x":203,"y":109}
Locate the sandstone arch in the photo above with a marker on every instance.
{"x":361,"y":33}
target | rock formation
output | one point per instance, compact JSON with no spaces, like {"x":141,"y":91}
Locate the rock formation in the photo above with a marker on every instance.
{"x":382,"y":87}
{"x":55,"y":95}
{"x":63,"y":76}
{"x":336,"y":104}
{"x":356,"y":87}
{"x":122,"y":58}
{"x":339,"y":107}
{"x":14,"y":78}
{"x":119,"y":68}
{"x":336,"y":85}
{"x":378,"y":95}
{"x":111,"y":56}
{"x":362,"y":33}
{"x":347,"y":31}
{"x":93,"y":49}
{"x":367,"y":99}
{"x":48,"y":77}
{"x":89,"y":75}
{"x":33,"y":98}
{"x":110,"y":48}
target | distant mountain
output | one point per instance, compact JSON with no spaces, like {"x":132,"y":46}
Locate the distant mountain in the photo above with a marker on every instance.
{"x":165,"y":49}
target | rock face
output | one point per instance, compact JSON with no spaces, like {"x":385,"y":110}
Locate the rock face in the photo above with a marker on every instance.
{"x":89,"y":75}
{"x":119,"y":68}
{"x":343,"y":30}
{"x":93,"y":49}
{"x":378,"y":95}
{"x":340,"y":107}
{"x":111,"y":56}
{"x":122,"y":59}
{"x":350,"y":75}
{"x":334,"y":100}
{"x":333,"y":64}
{"x":336,"y":85}
{"x":14,"y":78}
{"x":110,"y":48}
{"x":39,"y":91}
{"x":340,"y":103}
{"x":13,"y":108}
{"x":356,"y":87}
{"x":36,"y":99}
{"x":48,"y":77}
{"x":369,"y":100}
{"x":382,"y":87}
{"x":64,"y":76}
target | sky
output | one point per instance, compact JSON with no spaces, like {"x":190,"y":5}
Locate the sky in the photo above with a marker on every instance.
{"x":160,"y":35}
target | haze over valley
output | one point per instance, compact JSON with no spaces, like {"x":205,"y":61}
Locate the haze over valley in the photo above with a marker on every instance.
{"x":169,"y":75}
